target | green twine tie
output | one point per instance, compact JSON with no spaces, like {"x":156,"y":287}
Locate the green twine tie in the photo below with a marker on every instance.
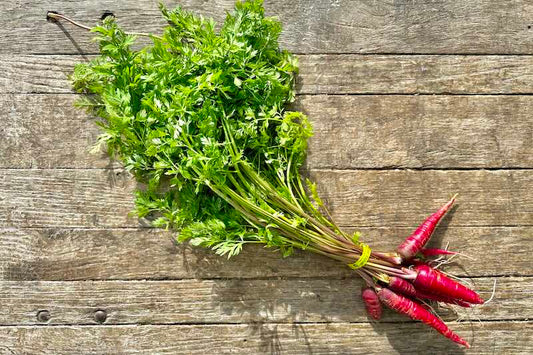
{"x":363,"y":259}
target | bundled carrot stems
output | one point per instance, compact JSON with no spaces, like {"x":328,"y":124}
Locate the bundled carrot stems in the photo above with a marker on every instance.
{"x":198,"y":117}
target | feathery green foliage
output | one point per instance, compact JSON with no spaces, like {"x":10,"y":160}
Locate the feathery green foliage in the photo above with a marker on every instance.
{"x":198,"y":117}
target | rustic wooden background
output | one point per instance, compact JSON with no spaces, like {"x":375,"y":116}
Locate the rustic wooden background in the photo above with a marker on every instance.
{"x":412,"y":101}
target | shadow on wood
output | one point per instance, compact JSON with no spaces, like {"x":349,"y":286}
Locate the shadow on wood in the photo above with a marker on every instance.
{"x":418,"y":336}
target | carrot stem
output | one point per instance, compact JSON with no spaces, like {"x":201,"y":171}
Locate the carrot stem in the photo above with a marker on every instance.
{"x":55,"y":16}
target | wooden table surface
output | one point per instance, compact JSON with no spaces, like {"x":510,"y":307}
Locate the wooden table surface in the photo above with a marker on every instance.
{"x":412,"y":101}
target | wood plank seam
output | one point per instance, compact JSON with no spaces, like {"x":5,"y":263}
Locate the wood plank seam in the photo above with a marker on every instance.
{"x":195,"y":324}
{"x":214,"y":324}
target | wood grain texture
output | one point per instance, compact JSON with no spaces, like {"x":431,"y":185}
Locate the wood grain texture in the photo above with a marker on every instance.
{"x":47,"y":131}
{"x":230,"y":301}
{"x":38,"y":73}
{"x":97,"y":198}
{"x":335,"y":338}
{"x":328,"y":26}
{"x":325,"y":74}
{"x":68,"y":218}
{"x":415,"y":74}
{"x":133,"y":254}
{"x":419,"y":131}
{"x":89,"y":198}
{"x":394,"y":197}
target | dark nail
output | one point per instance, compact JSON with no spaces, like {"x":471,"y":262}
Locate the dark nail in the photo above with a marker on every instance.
{"x":100,"y":316}
{"x":106,"y":14}
{"x":50,"y":18}
{"x":43,"y":316}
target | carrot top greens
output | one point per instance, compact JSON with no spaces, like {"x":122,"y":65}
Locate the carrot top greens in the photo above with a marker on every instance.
{"x":198,"y":116}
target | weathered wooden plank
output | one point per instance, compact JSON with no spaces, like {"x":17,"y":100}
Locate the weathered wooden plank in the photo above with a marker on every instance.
{"x":414,"y":74}
{"x":344,"y":338}
{"x":420,"y":131}
{"x":328,"y":26}
{"x":56,"y":254}
{"x":326,"y":74}
{"x":37,"y":73}
{"x":99,"y":198}
{"x":62,"y":254}
{"x":375,"y":132}
{"x":83,"y":198}
{"x":47,"y":132}
{"x":393,"y":197}
{"x":229,"y":301}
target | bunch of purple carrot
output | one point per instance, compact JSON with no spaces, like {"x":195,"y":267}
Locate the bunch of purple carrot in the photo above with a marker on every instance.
{"x":271,"y":204}
{"x":406,"y":291}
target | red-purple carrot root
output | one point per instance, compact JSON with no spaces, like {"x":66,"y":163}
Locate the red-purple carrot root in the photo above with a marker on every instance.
{"x":416,"y":241}
{"x":406,"y":288}
{"x":404,"y":305}
{"x":372,"y":304}
{"x":432,"y":281}
{"x":438,"y":298}
{"x":402,"y":286}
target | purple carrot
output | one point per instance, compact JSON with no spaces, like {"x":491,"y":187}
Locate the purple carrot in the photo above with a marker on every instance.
{"x":402,"y":286}
{"x":372,"y":304}
{"x":406,"y":288}
{"x":416,"y":311}
{"x":438,"y":298}
{"x":431,"y":281}
{"x":416,"y":241}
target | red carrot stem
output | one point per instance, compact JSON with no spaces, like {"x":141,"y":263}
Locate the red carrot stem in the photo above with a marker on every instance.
{"x":393,"y":258}
{"x":432,"y":281}
{"x":416,"y":311}
{"x":390,"y":270}
{"x":416,"y":241}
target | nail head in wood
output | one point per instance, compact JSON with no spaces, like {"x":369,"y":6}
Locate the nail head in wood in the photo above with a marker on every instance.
{"x":49,"y":16}
{"x":43,"y":316}
{"x":106,"y":14}
{"x":100,"y":316}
